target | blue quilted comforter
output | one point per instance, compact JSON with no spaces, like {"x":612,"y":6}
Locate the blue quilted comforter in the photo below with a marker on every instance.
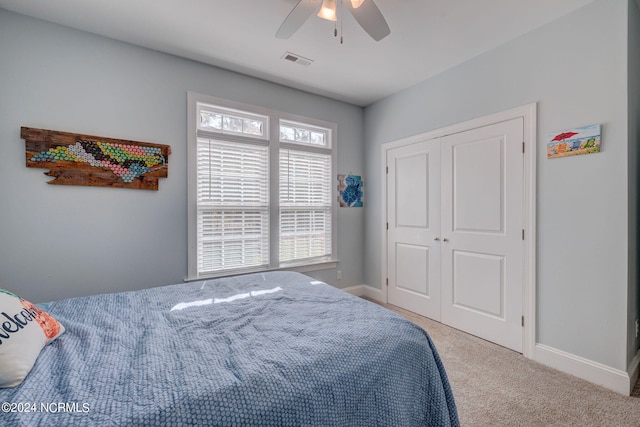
{"x":273,"y":349}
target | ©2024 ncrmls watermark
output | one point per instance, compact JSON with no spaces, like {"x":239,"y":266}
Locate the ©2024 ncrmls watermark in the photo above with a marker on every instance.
{"x":45,"y":407}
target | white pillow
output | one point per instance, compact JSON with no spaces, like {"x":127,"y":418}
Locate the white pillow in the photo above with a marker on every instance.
{"x":24,"y":330}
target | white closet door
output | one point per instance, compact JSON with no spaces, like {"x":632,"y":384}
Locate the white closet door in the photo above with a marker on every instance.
{"x":413,"y":213}
{"x":482,"y":221}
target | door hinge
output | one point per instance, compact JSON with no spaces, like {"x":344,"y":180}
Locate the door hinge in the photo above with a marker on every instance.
{"x":387,"y":281}
{"x":387,"y":226}
{"x":387,"y":169}
{"x":522,"y":321}
{"x":523,"y":147}
{"x":523,"y":234}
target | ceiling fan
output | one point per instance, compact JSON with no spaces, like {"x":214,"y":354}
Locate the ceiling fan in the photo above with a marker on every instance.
{"x":364,"y":11}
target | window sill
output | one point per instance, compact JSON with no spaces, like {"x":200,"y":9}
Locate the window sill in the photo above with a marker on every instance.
{"x":299,"y":267}
{"x":309,"y":266}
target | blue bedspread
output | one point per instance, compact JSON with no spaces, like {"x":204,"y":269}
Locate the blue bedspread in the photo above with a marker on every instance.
{"x":273,"y":349}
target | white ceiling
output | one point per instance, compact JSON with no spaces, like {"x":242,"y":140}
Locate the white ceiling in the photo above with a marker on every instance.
{"x":427,"y":37}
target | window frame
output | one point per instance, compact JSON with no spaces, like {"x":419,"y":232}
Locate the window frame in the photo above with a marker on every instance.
{"x":275,"y":145}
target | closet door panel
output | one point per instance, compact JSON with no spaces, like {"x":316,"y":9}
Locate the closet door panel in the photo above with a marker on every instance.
{"x":482,"y":249}
{"x":413,"y":214}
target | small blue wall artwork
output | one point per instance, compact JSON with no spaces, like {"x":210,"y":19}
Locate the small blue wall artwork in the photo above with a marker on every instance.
{"x":350,"y":191}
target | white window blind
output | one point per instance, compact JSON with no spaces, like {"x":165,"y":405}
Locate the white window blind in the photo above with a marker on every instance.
{"x":261,"y":189}
{"x":305,"y":205}
{"x":232,"y":205}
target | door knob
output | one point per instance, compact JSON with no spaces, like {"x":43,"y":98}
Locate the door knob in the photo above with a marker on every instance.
{"x":436,"y":238}
{"x":445,"y":240}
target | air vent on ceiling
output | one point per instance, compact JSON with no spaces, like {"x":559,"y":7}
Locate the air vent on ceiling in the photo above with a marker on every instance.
{"x":301,"y":60}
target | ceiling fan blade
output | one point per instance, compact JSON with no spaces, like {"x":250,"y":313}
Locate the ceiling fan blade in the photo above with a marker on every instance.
{"x":298,"y":16}
{"x":370,"y":19}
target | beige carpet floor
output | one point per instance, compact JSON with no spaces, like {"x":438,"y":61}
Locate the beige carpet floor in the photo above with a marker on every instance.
{"x":494,"y":386}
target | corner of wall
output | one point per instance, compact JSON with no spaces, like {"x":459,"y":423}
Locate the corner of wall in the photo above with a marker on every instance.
{"x":366,"y":291}
{"x":633,"y":147}
{"x":634,"y":371}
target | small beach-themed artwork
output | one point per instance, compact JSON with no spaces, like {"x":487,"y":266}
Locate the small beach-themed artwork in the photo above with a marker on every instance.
{"x":350,"y":191}
{"x":584,"y":140}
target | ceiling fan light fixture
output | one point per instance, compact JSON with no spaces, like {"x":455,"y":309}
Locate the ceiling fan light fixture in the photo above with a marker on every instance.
{"x":328,"y":10}
{"x":365,"y":12}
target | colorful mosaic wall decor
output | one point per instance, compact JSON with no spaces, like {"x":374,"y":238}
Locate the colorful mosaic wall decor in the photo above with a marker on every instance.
{"x":75,"y":159}
{"x":350,"y":191}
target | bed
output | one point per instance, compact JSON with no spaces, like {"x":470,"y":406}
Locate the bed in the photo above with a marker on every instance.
{"x":272,"y":349}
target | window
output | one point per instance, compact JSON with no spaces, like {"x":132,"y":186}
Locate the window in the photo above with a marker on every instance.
{"x":229,"y":121}
{"x":303,"y":134}
{"x":260,"y":189}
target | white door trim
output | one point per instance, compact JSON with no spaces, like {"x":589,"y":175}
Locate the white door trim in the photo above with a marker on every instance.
{"x":528,"y":113}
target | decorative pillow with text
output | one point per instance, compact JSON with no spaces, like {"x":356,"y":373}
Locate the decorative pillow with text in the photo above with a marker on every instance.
{"x":24,"y":330}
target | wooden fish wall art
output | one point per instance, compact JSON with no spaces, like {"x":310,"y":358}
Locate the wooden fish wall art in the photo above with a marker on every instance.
{"x":76,"y":159}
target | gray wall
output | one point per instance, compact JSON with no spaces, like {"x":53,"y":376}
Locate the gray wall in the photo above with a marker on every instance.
{"x":576,"y":70}
{"x":61,"y":241}
{"x":633,"y":49}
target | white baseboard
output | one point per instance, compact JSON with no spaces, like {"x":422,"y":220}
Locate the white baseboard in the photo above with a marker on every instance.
{"x":597,"y":373}
{"x":373,"y":293}
{"x":365,"y":291}
{"x":355,"y":290}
